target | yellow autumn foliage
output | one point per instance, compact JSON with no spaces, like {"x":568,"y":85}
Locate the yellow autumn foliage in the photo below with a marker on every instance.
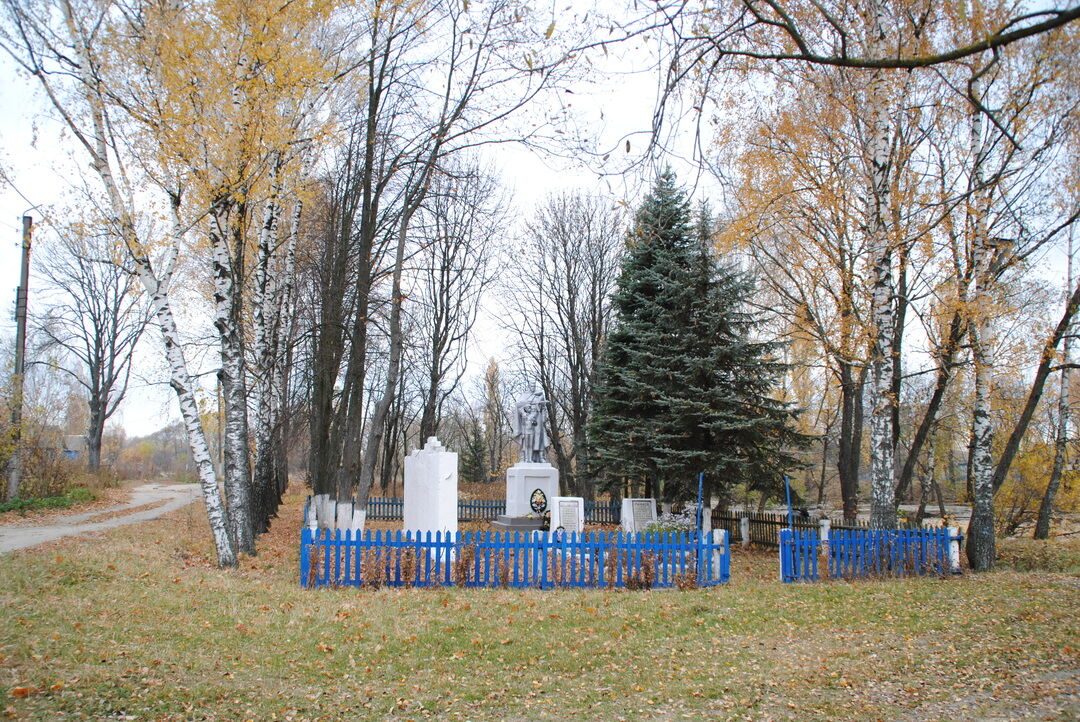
{"x":1017,"y":502}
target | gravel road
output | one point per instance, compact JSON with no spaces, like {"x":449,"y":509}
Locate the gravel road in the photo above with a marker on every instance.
{"x":175,"y":496}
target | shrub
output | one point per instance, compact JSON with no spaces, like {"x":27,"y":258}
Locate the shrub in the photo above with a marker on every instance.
{"x":463,"y":564}
{"x":683,"y":522}
{"x":1029,"y":555}
{"x":63,"y":501}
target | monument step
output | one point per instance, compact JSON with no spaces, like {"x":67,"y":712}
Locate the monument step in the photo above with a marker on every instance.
{"x":518,"y":523}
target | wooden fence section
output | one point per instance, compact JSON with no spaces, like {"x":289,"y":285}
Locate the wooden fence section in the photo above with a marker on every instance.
{"x":385,"y":508}
{"x":851,"y":554}
{"x":512,"y":559}
{"x":598,"y":512}
{"x":381,"y":508}
{"x":765,"y":527}
{"x":480,"y":509}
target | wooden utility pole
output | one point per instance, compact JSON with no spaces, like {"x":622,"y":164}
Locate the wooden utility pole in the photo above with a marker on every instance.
{"x":15,"y":473}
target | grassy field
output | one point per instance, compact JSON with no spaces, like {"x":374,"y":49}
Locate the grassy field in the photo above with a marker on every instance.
{"x":138,"y":624}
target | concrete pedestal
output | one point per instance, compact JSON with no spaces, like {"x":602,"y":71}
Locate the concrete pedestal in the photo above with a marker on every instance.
{"x":523,"y":480}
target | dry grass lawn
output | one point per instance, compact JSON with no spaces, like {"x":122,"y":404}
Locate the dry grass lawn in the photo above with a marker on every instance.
{"x":138,"y":624}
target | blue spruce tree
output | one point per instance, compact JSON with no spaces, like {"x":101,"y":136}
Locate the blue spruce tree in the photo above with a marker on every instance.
{"x":683,"y":387}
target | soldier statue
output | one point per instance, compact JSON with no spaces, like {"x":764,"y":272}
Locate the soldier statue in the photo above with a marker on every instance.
{"x":529,"y":426}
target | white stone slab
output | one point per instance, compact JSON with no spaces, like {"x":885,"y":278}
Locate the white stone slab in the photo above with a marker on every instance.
{"x":522,"y":482}
{"x":568,"y":512}
{"x":637,"y":514}
{"x":431,"y":489}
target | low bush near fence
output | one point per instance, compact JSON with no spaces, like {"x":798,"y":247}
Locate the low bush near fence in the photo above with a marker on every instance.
{"x":512,"y":559}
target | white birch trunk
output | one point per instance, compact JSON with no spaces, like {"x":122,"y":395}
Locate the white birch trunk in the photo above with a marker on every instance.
{"x":283,"y":329}
{"x":882,"y":486}
{"x":181,"y":382}
{"x":235,"y":439}
{"x":180,"y":378}
{"x":264,"y":352}
{"x":980,"y":547}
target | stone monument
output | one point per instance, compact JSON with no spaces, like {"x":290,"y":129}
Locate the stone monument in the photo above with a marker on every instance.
{"x":637,"y":514}
{"x":532,"y":483}
{"x":568,"y":512}
{"x":431,"y":489}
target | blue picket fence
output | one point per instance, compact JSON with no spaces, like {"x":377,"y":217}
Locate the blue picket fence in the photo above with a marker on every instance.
{"x":512,"y":559}
{"x":383,"y":508}
{"x":866,"y":552}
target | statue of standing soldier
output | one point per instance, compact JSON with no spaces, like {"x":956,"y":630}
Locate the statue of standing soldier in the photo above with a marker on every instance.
{"x":529,"y":426}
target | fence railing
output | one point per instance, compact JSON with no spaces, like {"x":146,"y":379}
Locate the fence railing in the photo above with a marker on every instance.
{"x":763,"y":528}
{"x":599,"y":512}
{"x":383,"y":508}
{"x":851,"y":554}
{"x":480,"y":509}
{"x":512,"y":559}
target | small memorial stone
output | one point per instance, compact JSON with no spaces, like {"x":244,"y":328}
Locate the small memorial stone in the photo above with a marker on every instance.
{"x":637,"y":514}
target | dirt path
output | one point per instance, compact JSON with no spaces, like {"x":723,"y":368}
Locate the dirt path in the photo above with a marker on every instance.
{"x":174,"y":496}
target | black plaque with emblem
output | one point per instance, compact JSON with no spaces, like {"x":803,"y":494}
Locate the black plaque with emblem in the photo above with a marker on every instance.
{"x":538,"y":501}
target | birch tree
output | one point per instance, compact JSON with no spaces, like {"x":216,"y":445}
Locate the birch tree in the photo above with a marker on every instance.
{"x":876,"y":36}
{"x":802,"y":177}
{"x":58,"y":42}
{"x":1011,"y":215}
{"x":201,"y":117}
{"x":224,"y":110}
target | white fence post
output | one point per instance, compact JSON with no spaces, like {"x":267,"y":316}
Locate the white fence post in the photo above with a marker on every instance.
{"x":954,"y":549}
{"x":744,"y":531}
{"x":780,"y":549}
{"x":720,"y":541}
{"x":825,"y":527}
